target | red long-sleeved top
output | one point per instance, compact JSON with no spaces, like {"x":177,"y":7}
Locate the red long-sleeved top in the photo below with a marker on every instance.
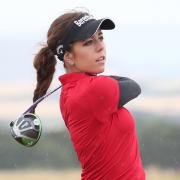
{"x":103,"y":135}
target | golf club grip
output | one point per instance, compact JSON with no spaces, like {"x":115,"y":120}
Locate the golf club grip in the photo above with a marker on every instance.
{"x":40,"y":99}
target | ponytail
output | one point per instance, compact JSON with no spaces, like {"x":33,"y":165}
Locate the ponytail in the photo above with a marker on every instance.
{"x":44,"y":63}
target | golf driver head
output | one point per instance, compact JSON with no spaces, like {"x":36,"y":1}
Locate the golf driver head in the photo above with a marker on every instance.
{"x":26,"y":129}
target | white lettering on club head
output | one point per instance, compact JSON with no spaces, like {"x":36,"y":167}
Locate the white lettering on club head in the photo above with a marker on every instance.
{"x":25,"y":125}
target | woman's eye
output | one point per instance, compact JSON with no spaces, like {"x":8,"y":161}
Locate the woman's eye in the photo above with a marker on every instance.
{"x":88,"y":42}
{"x":91,"y":41}
{"x":101,"y":38}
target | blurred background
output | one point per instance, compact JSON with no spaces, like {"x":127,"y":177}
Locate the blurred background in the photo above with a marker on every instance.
{"x":144,"y":46}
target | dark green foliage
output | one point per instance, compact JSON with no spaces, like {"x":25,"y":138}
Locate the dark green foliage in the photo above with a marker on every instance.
{"x":159,"y":142}
{"x":54,"y":150}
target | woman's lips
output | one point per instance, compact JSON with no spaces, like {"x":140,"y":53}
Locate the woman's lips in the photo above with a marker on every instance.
{"x":101,"y":59}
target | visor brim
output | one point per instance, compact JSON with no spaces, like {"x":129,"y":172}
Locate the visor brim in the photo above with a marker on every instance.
{"x":92,"y":26}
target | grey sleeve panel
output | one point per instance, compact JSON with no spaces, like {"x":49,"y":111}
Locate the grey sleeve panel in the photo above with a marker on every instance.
{"x":129,"y":89}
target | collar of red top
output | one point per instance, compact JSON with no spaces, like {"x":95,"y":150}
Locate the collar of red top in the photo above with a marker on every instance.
{"x":71,"y":77}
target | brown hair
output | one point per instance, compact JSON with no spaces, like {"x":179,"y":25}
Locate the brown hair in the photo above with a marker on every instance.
{"x":45,"y":61}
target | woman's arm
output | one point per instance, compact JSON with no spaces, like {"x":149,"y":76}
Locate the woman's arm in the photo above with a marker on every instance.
{"x":106,"y":94}
{"x":129,"y":89}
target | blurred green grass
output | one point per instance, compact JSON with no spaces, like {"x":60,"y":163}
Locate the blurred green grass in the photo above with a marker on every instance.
{"x":154,"y":173}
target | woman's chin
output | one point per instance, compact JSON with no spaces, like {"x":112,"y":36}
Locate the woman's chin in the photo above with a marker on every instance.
{"x":97,"y":71}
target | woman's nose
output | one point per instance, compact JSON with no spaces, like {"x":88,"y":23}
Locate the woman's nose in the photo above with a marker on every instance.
{"x":99,"y":45}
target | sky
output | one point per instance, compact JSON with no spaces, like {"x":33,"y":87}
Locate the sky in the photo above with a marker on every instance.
{"x":145,"y":45}
{"x":146,"y":37}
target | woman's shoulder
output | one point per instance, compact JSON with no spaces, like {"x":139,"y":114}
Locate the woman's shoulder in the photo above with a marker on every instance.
{"x":103,"y":80}
{"x":101,"y":83}
{"x":95,"y":85}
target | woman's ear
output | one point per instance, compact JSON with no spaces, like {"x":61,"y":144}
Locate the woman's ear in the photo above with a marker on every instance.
{"x":69,"y":58}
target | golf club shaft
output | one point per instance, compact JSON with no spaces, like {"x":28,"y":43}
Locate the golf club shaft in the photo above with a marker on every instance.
{"x":40,"y":99}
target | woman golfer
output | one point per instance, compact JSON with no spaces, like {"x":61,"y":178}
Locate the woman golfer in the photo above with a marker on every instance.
{"x":102,"y":131}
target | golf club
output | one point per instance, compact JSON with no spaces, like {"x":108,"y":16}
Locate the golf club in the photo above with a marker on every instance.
{"x":27,"y":128}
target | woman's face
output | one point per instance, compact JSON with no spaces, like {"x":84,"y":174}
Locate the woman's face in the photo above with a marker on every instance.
{"x":88,"y":55}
